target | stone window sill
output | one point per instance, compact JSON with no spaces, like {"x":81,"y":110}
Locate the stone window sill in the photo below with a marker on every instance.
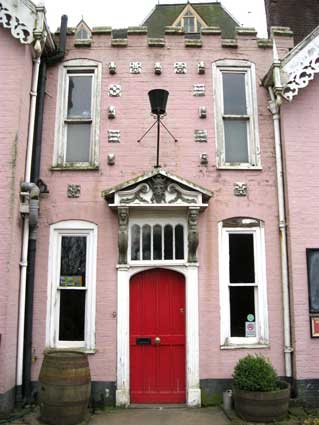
{"x":245,"y":346}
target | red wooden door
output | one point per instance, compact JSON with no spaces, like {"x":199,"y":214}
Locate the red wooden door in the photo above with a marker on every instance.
{"x":157,"y":337}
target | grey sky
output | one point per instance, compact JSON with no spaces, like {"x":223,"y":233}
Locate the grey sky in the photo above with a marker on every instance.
{"x":124,"y":13}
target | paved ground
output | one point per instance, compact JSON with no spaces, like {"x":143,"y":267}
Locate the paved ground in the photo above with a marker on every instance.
{"x":161,"y":416}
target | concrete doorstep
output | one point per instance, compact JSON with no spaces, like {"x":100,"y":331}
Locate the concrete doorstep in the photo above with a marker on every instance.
{"x":160,"y":415}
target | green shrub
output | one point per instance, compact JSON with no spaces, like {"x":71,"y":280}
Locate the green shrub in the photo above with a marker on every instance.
{"x":255,"y":373}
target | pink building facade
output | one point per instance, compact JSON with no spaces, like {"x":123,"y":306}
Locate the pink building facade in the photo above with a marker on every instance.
{"x":164,"y":266}
{"x":106,"y":194}
{"x":296,"y":84}
{"x":18,"y":52}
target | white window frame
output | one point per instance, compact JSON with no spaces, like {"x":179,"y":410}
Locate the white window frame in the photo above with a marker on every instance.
{"x":77,"y":67}
{"x":261,"y":309}
{"x":162,"y":220}
{"x":248,"y":68}
{"x":57,"y":231}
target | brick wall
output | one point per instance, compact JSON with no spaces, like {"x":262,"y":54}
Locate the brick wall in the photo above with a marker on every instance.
{"x":15,"y":79}
{"x":183,"y":158}
{"x":301,"y":16}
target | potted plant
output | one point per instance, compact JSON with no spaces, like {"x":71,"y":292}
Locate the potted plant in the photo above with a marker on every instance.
{"x":259,"y":395}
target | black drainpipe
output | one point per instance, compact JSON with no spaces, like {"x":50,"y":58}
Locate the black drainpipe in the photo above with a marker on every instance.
{"x":35,"y":178}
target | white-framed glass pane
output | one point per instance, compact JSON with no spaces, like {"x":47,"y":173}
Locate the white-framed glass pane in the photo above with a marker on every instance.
{"x":236,"y":141}
{"x":189,"y":24}
{"x":241,"y":258}
{"x":79,"y":96}
{"x":78,"y":142}
{"x":73,"y":261}
{"x":146,"y":241}
{"x":135,"y":242}
{"x":234,"y":93}
{"x":179,"y":242}
{"x":242,"y":311}
{"x":168,"y":242}
{"x":72,"y":314}
{"x":157,"y":242}
{"x":82,"y":34}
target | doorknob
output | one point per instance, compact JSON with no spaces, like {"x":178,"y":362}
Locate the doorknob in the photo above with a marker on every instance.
{"x":157,"y":340}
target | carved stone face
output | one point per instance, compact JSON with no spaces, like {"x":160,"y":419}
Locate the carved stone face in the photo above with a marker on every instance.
{"x":123,"y":216}
{"x":159,"y":188}
{"x":192,"y":217}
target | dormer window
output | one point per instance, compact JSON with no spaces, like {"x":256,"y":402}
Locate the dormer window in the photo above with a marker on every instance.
{"x":190,"y":21}
{"x":83,"y":34}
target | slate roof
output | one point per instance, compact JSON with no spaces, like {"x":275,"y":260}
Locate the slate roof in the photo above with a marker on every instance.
{"x":212,"y":13}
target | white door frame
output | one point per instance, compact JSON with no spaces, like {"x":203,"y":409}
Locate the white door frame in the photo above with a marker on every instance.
{"x":124,"y":274}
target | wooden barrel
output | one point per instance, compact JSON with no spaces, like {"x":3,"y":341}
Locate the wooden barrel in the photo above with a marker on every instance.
{"x":65,"y":386}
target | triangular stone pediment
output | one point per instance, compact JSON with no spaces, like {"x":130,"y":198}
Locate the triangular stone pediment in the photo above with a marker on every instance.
{"x":157,"y":188}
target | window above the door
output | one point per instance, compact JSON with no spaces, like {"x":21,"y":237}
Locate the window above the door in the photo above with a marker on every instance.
{"x":236,"y":115}
{"x":157,"y":239}
{"x":78,"y":115}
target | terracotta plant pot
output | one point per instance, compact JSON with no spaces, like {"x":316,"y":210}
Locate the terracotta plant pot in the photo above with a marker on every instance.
{"x":262,"y":406}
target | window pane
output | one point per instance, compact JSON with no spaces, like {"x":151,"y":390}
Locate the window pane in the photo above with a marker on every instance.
{"x":241,"y":258}
{"x":234,"y":94}
{"x":179,"y":242}
{"x":168,"y":242}
{"x":78,"y":143}
{"x":242,"y":303}
{"x":79,"y":96}
{"x":313,"y":279}
{"x":82,"y":34}
{"x":72,"y":313}
{"x":157,"y":242}
{"x":236,"y":146}
{"x":135,"y":242}
{"x":73,"y":261}
{"x":146,"y":235}
{"x":189,"y":24}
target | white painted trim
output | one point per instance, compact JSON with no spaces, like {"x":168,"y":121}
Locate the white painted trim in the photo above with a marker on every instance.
{"x":124,"y":274}
{"x":261,"y":309}
{"x":77,"y":65}
{"x":197,"y":18}
{"x":57,"y":230}
{"x":242,"y":66}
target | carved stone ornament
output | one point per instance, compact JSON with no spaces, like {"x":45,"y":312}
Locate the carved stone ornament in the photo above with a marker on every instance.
{"x":202,"y":112}
{"x":157,"y":68}
{"x":158,"y":190}
{"x":74,"y":190}
{"x":112,"y":68}
{"x":179,"y":196}
{"x":240,"y":189}
{"x":199,"y":89}
{"x":111,"y":158}
{"x":20,"y":18}
{"x":123,"y":234}
{"x":114,"y":136}
{"x":204,"y":158}
{"x":111,"y":112}
{"x":180,"y":68}
{"x":201,"y":67}
{"x":115,"y":90}
{"x":201,"y":136}
{"x":158,"y":185}
{"x":137,"y":196}
{"x":301,"y":69}
{"x":193,"y":237}
{"x":135,"y":67}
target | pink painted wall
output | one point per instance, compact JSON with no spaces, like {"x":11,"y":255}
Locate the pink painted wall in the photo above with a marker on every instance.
{"x":15,"y":83}
{"x":182,"y":158}
{"x":300,"y":128}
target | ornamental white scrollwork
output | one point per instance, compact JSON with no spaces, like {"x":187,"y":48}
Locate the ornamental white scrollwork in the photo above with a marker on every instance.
{"x":19,"y":29}
{"x":301,"y":69}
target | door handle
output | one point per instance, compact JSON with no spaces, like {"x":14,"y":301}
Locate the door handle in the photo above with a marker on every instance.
{"x":157,"y":340}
